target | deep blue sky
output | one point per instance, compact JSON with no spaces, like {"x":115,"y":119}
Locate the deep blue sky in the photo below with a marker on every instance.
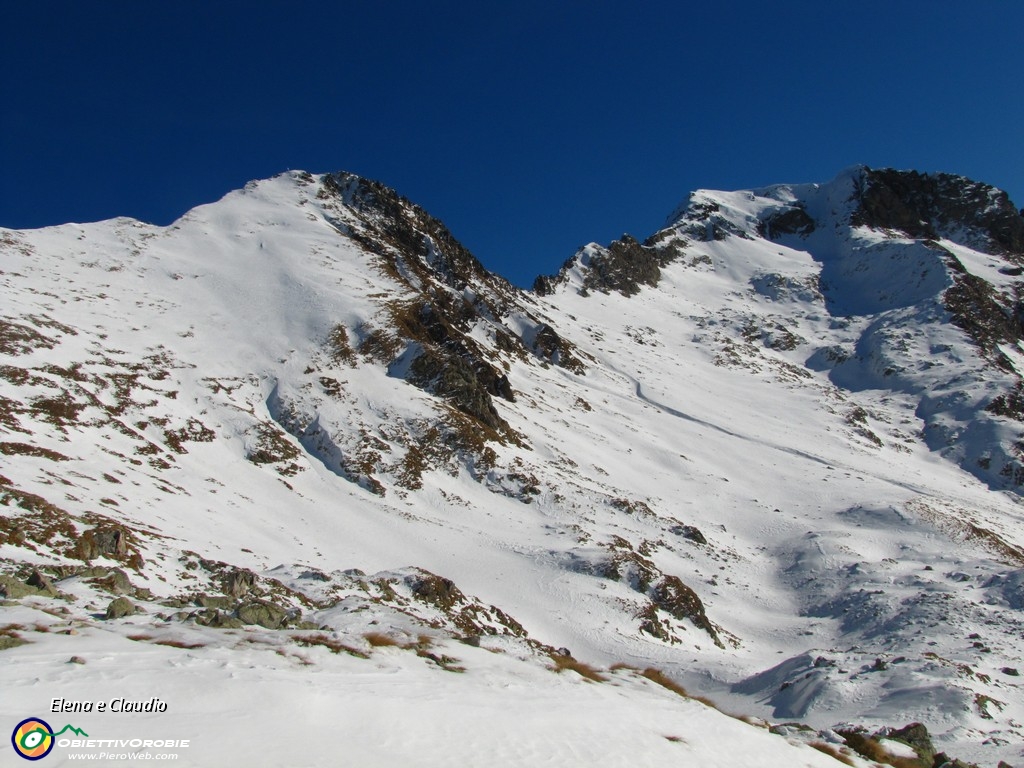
{"x":530,"y":128}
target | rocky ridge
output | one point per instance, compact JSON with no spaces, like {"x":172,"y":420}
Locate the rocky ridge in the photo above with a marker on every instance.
{"x":887,"y":245}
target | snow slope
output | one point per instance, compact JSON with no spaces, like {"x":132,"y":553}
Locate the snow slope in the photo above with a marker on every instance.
{"x":750,"y":453}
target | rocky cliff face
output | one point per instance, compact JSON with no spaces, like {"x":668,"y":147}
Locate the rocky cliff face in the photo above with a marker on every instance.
{"x":445,"y":325}
{"x":447,"y":295}
{"x":933,"y":206}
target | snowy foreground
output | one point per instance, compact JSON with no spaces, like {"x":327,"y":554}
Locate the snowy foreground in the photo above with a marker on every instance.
{"x":337,"y":496}
{"x":247,"y":699}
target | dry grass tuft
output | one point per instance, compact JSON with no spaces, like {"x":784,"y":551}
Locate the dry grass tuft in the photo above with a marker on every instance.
{"x":334,"y":646}
{"x":9,"y":637}
{"x":870,"y":748}
{"x":380,"y":640}
{"x":302,"y":660}
{"x":563,"y":663}
{"x":710,"y":703}
{"x":339,"y":347}
{"x":666,"y":682}
{"x":660,"y":678}
{"x":179,"y":644}
{"x":144,"y":638}
{"x":831,"y":751}
{"x":24,"y":449}
{"x":445,"y":662}
{"x":420,"y":646}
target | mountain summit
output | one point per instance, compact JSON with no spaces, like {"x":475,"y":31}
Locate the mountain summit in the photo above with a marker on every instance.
{"x":772,"y":452}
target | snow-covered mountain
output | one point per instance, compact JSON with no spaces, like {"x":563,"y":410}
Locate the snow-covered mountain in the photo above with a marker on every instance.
{"x":772,"y":454}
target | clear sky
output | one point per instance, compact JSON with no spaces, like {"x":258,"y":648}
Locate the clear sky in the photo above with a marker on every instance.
{"x":529,"y":128}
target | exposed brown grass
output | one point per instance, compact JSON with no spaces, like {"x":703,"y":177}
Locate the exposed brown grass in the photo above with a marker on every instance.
{"x":179,"y":644}
{"x":194,"y":431}
{"x":380,"y":640}
{"x":420,"y":646}
{"x":710,"y":703}
{"x":334,"y":646}
{"x":754,"y":721}
{"x":870,"y":748}
{"x":666,"y":682}
{"x":380,"y":346}
{"x":563,"y":663}
{"x":45,"y":525}
{"x":831,"y":751}
{"x":24,"y":449}
{"x":9,"y":637}
{"x":302,"y":660}
{"x":339,"y":347}
{"x":660,"y":678}
{"x":273,"y":447}
{"x":59,"y":410}
{"x":16,"y":339}
{"x":447,"y":663}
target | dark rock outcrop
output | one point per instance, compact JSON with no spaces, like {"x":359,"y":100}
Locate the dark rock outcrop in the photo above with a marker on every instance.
{"x":624,"y":267}
{"x":939,"y":205}
{"x":677,"y":599}
{"x":238,"y":582}
{"x":789,"y":221}
{"x":39,"y":581}
{"x":453,"y":294}
{"x":915,"y":736}
{"x":13,"y":589}
{"x":263,"y":613}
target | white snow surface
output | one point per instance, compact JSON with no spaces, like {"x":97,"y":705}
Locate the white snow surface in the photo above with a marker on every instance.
{"x":854,"y":572}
